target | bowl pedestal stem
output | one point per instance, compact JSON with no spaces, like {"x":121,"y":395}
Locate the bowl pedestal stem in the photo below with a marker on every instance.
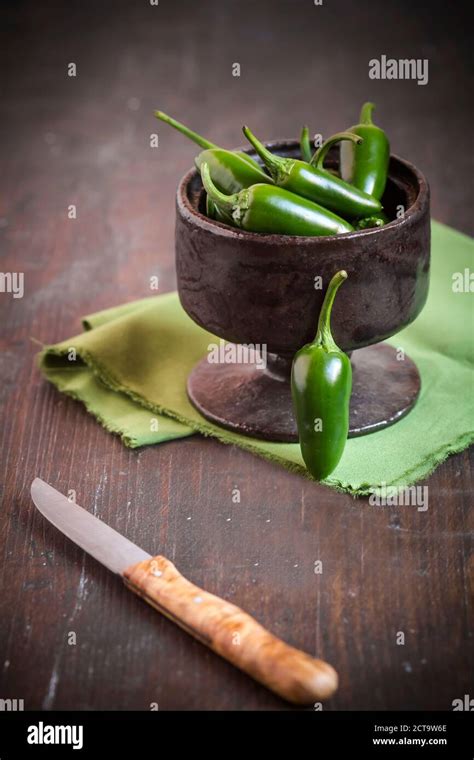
{"x":256,"y":401}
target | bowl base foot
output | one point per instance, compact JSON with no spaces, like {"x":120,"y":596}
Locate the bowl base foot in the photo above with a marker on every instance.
{"x":257,"y":402}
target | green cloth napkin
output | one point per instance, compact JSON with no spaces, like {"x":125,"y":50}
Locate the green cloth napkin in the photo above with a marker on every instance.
{"x":130,"y":367}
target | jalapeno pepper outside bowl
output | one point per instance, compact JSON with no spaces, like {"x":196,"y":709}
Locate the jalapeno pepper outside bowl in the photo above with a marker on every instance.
{"x":266,"y":291}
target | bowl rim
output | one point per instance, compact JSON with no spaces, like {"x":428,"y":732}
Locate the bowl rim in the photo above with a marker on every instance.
{"x":210,"y":225}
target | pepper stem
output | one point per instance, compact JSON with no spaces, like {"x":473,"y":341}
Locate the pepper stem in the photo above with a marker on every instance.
{"x":305,"y":145}
{"x":223,"y":201}
{"x":366,"y":113}
{"x":272,"y":162}
{"x":318,"y":159}
{"x":324,"y":335}
{"x":185,"y":130}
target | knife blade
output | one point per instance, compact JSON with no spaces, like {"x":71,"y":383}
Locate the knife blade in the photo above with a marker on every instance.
{"x":216,"y":623}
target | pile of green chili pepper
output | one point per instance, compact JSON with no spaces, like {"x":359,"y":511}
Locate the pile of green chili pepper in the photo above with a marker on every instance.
{"x":290,"y":196}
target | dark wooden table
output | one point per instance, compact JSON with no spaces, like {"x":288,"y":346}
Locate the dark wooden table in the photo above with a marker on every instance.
{"x":85,"y":140}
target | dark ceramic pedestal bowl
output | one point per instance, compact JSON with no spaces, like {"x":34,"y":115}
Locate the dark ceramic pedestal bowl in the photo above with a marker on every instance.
{"x":257,"y":289}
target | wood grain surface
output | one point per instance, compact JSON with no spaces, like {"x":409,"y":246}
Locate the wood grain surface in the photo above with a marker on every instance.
{"x":85,"y":140}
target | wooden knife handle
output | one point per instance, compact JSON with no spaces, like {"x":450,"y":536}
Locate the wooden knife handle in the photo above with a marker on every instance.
{"x":233,"y":634}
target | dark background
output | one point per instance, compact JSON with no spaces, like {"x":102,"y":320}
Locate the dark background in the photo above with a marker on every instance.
{"x":85,"y":141}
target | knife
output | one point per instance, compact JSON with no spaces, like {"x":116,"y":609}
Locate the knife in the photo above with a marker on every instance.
{"x":221,"y":626}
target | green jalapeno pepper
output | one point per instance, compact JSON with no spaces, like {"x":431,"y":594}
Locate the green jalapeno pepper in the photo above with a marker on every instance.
{"x":266,"y":208}
{"x":305,"y":145}
{"x":366,"y":165}
{"x":201,"y":141}
{"x":316,"y":183}
{"x":321,"y":384}
{"x":231,"y":170}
